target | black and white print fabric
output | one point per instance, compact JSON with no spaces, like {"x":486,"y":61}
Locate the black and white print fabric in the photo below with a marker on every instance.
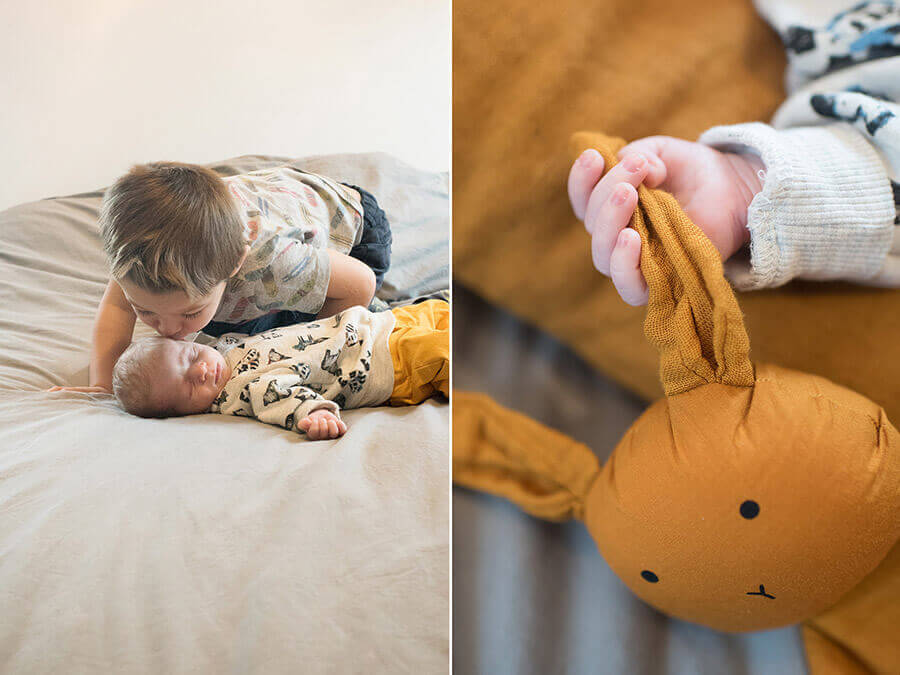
{"x":281,"y":376}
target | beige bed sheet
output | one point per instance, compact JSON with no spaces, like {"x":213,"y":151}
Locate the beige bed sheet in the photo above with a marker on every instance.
{"x":211,"y":544}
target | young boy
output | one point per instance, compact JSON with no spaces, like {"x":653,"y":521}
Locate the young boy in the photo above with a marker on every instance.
{"x":298,"y":377}
{"x":190,"y":251}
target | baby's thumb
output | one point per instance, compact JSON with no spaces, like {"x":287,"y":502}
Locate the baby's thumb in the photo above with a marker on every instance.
{"x":651,"y":148}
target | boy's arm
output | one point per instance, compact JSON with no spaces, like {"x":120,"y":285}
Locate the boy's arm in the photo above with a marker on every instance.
{"x":287,"y":274}
{"x":113,"y":329}
{"x":351,"y":283}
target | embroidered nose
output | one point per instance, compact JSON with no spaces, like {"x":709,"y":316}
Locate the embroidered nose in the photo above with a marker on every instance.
{"x":762,"y":592}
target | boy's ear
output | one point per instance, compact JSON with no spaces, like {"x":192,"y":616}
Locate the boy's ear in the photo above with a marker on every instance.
{"x":241,"y":261}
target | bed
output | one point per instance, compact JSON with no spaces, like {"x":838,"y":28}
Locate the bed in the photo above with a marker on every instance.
{"x":212,"y":544}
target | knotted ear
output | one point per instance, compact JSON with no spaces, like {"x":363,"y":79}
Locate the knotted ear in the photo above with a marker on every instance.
{"x":504,"y":453}
{"x":693,"y":317}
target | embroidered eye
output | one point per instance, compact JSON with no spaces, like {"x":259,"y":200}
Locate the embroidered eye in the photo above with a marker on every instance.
{"x":749,"y":509}
{"x":649,"y":576}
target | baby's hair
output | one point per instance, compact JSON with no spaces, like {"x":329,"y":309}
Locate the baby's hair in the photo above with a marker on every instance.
{"x":132,"y":379}
{"x":169,"y":226}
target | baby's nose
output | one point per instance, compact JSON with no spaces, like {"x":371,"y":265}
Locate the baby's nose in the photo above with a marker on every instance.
{"x":200,"y":371}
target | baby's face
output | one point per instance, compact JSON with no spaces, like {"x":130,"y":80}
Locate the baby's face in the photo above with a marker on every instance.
{"x":187,"y":377}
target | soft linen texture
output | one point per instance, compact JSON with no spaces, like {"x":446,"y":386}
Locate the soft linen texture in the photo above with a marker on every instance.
{"x":209,"y":544}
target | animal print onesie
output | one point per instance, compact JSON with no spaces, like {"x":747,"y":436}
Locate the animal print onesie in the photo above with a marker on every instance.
{"x":281,"y":376}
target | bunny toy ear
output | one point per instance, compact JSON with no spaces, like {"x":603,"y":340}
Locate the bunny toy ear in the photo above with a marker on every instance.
{"x":693,"y":318}
{"x":504,"y":453}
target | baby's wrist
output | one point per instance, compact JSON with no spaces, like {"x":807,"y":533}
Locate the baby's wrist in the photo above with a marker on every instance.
{"x":323,"y":411}
{"x":747,"y":167}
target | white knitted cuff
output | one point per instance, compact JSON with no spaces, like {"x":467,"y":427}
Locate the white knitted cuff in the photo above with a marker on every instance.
{"x":825,"y":211}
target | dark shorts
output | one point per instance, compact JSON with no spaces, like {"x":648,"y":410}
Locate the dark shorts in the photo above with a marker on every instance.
{"x":374,"y":249}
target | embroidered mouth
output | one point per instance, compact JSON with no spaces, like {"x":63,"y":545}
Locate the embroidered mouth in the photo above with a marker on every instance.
{"x":762,"y":592}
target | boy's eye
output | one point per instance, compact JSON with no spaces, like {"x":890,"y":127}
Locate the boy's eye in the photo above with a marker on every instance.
{"x":192,"y":315}
{"x":144,"y":312}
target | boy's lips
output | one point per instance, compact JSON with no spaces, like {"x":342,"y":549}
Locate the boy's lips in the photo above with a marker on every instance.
{"x":218,"y":373}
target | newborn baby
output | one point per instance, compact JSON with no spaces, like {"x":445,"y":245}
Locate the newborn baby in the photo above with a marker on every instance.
{"x":298,"y":377}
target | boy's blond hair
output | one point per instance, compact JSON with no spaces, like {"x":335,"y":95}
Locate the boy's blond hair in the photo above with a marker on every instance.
{"x":170,"y":226}
{"x":132,"y":379}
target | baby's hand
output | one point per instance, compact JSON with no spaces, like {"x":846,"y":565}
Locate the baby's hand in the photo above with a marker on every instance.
{"x":320,"y":424}
{"x":83,"y":390}
{"x":714,"y":189}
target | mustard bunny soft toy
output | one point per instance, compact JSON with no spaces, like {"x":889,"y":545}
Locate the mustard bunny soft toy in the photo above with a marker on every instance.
{"x":750,"y":497}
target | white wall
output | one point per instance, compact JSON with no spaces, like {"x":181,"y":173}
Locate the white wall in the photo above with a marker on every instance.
{"x":89,"y":87}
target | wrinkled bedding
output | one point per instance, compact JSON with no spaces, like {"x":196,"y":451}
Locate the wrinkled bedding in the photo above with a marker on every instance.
{"x":211,"y":544}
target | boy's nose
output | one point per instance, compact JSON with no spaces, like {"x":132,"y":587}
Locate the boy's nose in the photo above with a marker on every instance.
{"x":168,"y":329}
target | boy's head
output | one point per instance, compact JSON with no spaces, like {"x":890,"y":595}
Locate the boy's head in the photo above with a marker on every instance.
{"x":161,"y":377}
{"x":172,"y":235}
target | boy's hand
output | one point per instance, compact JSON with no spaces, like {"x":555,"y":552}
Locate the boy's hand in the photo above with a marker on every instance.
{"x":320,"y":424}
{"x":714,"y":189}
{"x":83,"y":390}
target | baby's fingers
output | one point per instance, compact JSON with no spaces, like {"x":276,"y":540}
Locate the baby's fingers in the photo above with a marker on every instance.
{"x":583,"y":176}
{"x":311,"y":426}
{"x":608,"y":221}
{"x":651,"y":148}
{"x":318,"y":430}
{"x":625,"y":268}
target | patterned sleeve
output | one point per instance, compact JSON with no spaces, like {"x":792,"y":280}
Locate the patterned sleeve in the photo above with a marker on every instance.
{"x":278,"y":399}
{"x":281,"y":273}
{"x":830,"y":199}
{"x":281,"y":400}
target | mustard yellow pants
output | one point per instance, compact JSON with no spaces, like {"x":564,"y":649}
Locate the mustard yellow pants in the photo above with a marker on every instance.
{"x":420,"y":350}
